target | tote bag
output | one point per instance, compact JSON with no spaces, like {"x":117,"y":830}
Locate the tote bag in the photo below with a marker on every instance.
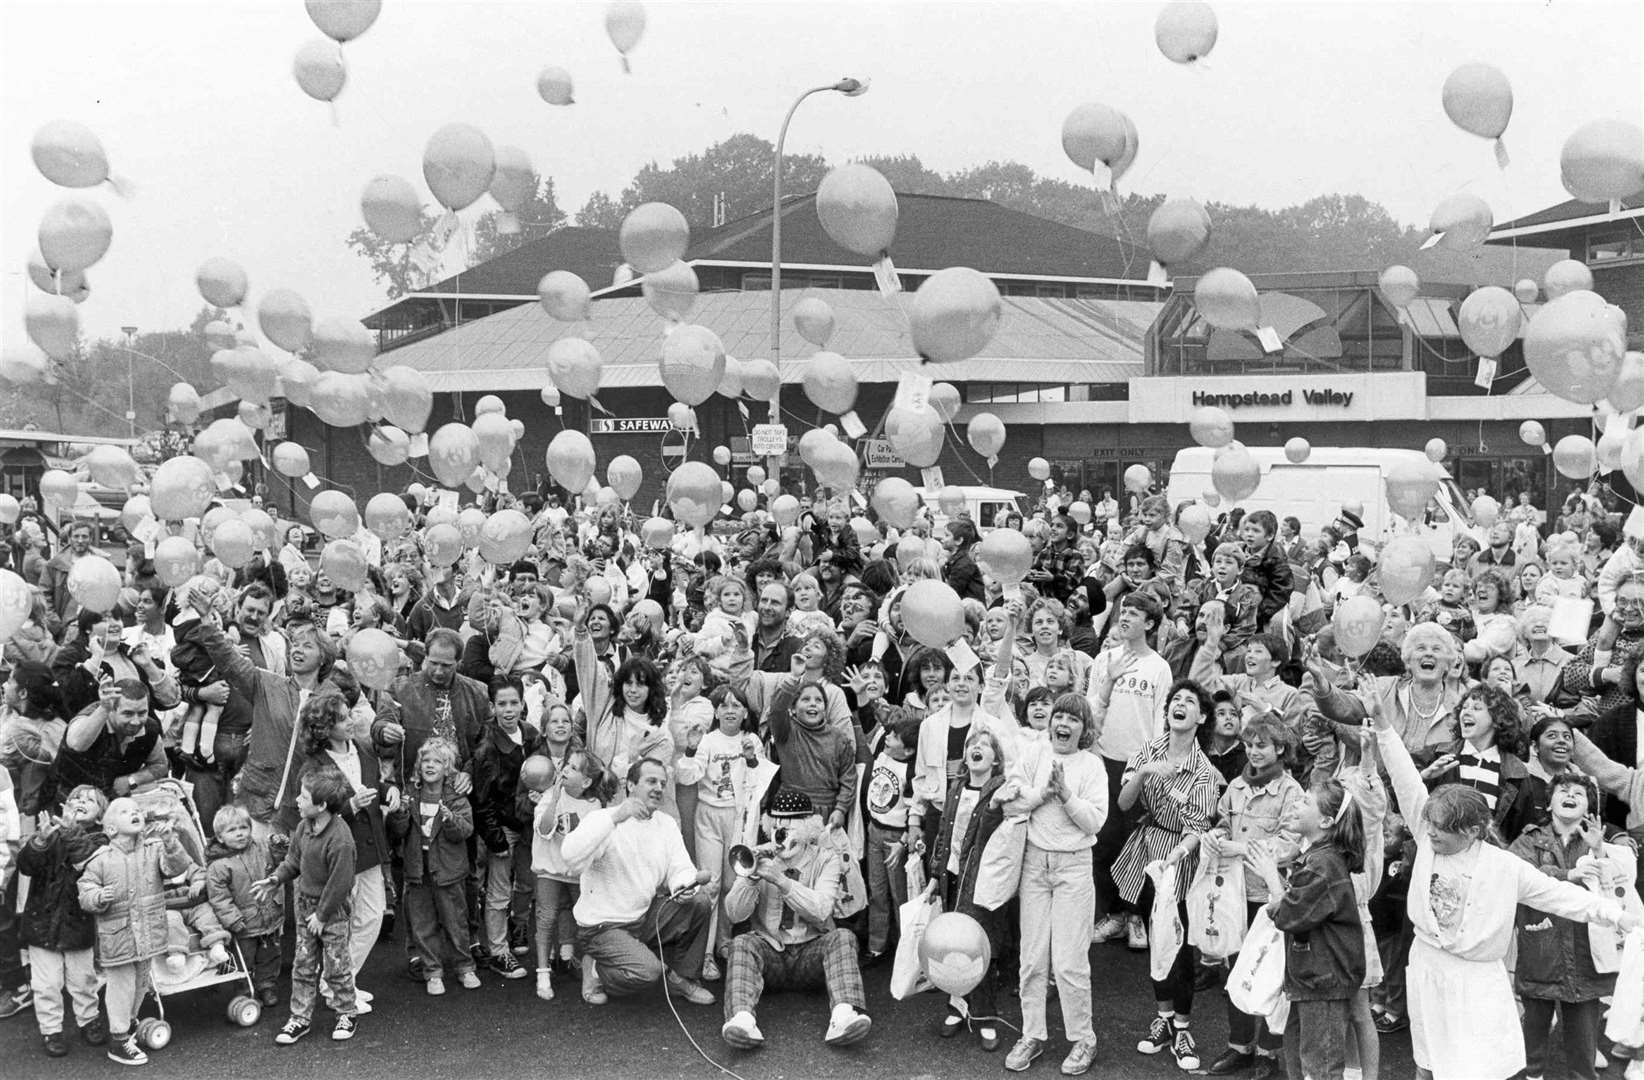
{"x":1165,"y":930}
{"x":908,"y":973}
{"x":999,"y":874}
{"x":1257,"y":981}
{"x":1217,"y":917}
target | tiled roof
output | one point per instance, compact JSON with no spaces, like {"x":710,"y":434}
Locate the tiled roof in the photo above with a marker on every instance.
{"x":1039,"y":340}
{"x":1570,"y":210}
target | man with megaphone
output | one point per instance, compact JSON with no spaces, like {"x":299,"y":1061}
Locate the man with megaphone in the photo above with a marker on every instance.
{"x":789,"y":889}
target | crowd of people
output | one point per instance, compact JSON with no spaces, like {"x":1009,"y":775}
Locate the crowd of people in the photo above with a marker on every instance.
{"x":724,"y":758}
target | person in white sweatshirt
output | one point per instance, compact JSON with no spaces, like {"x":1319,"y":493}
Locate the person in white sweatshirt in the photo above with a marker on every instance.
{"x":625,"y":856}
{"x":1129,"y":684}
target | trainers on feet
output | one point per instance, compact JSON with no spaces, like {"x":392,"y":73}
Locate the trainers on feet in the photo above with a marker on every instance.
{"x":846,"y":1025}
{"x":1079,"y":1059}
{"x":123,"y":1050}
{"x":1157,"y":1037}
{"x":95,"y":1032}
{"x":592,"y":992}
{"x":55,"y":1045}
{"x":1184,"y":1050}
{"x":344,"y":1029}
{"x":1110,"y":928}
{"x":1024,"y":1053}
{"x":505,"y":965}
{"x":519,"y":942}
{"x":436,"y":985}
{"x":1232,"y":1061}
{"x":545,"y":984}
{"x":293,"y":1030}
{"x":1136,"y":934}
{"x":710,"y":970}
{"x":742,"y":1032}
{"x":470,"y":980}
{"x":690,"y":991}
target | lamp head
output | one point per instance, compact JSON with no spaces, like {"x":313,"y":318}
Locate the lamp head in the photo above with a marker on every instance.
{"x":852,"y":87}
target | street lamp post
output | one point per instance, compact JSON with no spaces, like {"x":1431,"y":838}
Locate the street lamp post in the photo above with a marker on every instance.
{"x":850,"y":88}
{"x":131,"y":386}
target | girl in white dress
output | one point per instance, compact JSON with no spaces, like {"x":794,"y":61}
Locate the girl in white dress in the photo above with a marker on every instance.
{"x":1464,"y":891}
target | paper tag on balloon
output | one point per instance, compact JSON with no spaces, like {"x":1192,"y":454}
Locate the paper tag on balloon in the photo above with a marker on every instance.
{"x":594,"y":401}
{"x":1431,"y":240}
{"x":311,"y":480}
{"x":933,"y":478}
{"x":1011,"y":592}
{"x":884,"y":274}
{"x":1270,"y":340}
{"x":963,"y":656}
{"x":1486,"y":372}
{"x":1157,"y":274}
{"x":742,"y":407}
{"x":912,"y":390}
{"x":1571,"y":619}
{"x":224,"y":482}
{"x":859,"y":499}
{"x":852,"y":425}
{"x":419,"y":445}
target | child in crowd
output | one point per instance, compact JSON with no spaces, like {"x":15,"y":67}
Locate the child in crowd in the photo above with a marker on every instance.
{"x":1315,"y":905}
{"x":581,"y":786}
{"x":1226,"y":749}
{"x":1451,"y":610}
{"x":1036,"y":710}
{"x":1493,"y":603}
{"x":124,"y":886}
{"x":503,"y":746}
{"x":1562,"y":580}
{"x":434,"y":823}
{"x":1488,"y":759}
{"x":1266,"y":566}
{"x":888,"y":794}
{"x":237,"y":860}
{"x":54,"y":928}
{"x":807,"y":613}
{"x":1240,"y":600}
{"x":321,"y":862}
{"x":196,"y":742}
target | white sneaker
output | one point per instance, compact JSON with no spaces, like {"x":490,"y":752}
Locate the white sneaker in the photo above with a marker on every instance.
{"x":1110,"y":928}
{"x":1137,"y":934}
{"x":545,"y":984}
{"x":436,"y":985}
{"x":470,"y":980}
{"x":742,"y":1032}
{"x":846,"y":1025}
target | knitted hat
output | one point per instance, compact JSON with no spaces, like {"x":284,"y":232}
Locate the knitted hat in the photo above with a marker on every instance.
{"x":791,"y":804}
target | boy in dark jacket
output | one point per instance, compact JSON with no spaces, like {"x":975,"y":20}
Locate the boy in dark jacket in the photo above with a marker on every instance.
{"x":321,"y":861}
{"x":58,"y":933}
{"x":435,"y":824}
{"x":1265,"y":564}
{"x":504,"y":745}
{"x":236,"y":861}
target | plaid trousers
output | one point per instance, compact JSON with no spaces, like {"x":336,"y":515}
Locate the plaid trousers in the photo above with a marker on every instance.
{"x":829,"y":961}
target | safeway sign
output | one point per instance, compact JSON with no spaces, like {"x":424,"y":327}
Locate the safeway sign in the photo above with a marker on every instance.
{"x":879,"y":454}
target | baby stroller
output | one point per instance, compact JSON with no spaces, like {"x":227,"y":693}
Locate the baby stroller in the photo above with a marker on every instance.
{"x":171,"y":800}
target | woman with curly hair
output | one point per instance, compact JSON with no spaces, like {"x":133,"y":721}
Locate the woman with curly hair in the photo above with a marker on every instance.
{"x":1489,"y":759}
{"x":630,"y":725}
{"x":820,"y":660}
{"x":329,"y":741}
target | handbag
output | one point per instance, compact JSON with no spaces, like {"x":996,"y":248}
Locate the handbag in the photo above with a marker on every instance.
{"x":1217,"y":917}
{"x":908,"y":972}
{"x":1165,"y":930}
{"x":853,"y":891}
{"x":1257,"y":981}
{"x":1626,"y":1022}
{"x":1607,"y":943}
{"x":999,"y":874}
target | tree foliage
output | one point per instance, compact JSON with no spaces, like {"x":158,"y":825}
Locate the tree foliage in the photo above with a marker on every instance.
{"x":738,"y":169}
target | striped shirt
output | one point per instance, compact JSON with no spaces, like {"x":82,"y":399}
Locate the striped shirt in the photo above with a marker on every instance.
{"x":1481,"y":771}
{"x":1181,"y":802}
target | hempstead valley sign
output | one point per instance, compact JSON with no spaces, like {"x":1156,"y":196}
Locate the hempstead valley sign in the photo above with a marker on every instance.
{"x":1339,"y":398}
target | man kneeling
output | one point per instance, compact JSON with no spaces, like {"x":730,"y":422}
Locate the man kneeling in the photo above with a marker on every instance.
{"x":793,"y":944}
{"x":627,"y":855}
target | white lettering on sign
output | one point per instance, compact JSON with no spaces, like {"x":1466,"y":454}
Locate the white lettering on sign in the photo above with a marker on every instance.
{"x":770,"y":439}
{"x":629,"y":425}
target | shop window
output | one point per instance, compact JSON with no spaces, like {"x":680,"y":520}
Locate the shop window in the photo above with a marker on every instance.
{"x":1614,"y":247}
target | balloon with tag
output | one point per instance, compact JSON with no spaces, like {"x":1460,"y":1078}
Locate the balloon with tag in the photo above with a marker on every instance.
{"x":813,"y":318}
{"x":986,"y":434}
{"x":933,"y":614}
{"x":896,"y":501}
{"x":653,"y":237}
{"x":570,"y":458}
{"x":1461,"y":222}
{"x":694,"y":493}
{"x":1489,"y":320}
{"x":389,"y":446}
{"x":574,"y":366}
{"x":69,"y":154}
{"x":1227,"y":300}
{"x":1410,"y":486}
{"x":290,"y":460}
{"x":954,"y":315}
{"x":1094,"y":134}
{"x":458,"y":164}
{"x":1531,"y":433}
{"x":1478,"y":99}
{"x":857,"y":209}
{"x":94,"y":583}
{"x":1357,"y":623}
{"x":1005,"y":555}
{"x":625,"y":25}
{"x":915,"y":432}
{"x":1405,"y":568}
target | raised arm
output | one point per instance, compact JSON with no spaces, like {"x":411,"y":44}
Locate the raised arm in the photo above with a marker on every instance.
{"x":1409,"y":792}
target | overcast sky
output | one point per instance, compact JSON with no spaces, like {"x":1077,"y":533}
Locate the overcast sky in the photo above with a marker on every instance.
{"x":198,"y":109}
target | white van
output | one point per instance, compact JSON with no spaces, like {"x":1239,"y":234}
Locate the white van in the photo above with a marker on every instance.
{"x":985,"y":505}
{"x":1332,"y":477}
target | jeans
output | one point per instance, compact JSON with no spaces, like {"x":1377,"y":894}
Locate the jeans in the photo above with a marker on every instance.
{"x":52,"y":972}
{"x":1315,"y":1040}
{"x":1176,"y":988}
{"x":627,"y":953}
{"x":1058,"y":898}
{"x":554,"y":901}
{"x":261,"y":953}
{"x":715,"y":836}
{"x":438,"y":918}
{"x":501,"y":888}
{"x":1579,"y":1023}
{"x":13,"y":974}
{"x":887,"y":886}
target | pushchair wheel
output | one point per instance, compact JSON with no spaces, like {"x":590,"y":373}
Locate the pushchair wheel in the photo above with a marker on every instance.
{"x":154,"y":1034}
{"x":245,"y":1010}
